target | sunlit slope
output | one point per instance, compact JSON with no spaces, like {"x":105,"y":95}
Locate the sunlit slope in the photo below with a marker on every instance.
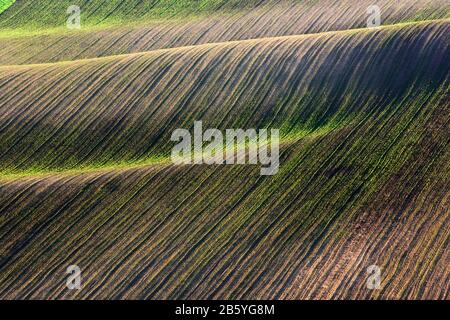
{"x":121,"y":26}
{"x":5,"y":4}
{"x":123,"y":109}
{"x":45,"y":14}
{"x":373,"y":192}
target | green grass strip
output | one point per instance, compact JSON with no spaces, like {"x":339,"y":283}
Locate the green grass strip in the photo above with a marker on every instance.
{"x":5,"y":4}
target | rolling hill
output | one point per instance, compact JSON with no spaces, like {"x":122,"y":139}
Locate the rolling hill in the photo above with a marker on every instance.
{"x":35,"y":31}
{"x":86,"y":176}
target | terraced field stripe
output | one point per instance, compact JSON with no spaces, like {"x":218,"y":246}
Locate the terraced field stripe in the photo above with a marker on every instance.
{"x":86,"y":176}
{"x":277,"y":18}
